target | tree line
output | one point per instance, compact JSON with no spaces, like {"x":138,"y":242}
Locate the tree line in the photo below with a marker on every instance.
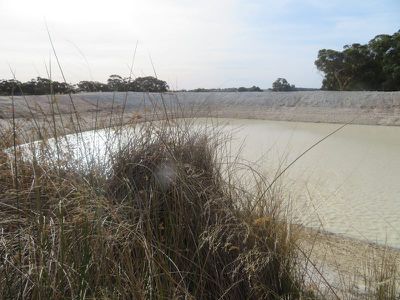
{"x":43,"y":86}
{"x":372,"y":66}
{"x":231,"y":89}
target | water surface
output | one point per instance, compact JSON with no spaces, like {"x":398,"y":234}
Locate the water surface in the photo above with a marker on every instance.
{"x":348,"y":184}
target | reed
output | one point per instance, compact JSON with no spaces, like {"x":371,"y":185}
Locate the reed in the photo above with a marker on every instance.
{"x":159,"y":220}
{"x":159,"y":212}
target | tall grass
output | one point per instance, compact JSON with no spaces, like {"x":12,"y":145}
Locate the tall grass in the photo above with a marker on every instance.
{"x":157,"y":213}
{"x":160,"y":219}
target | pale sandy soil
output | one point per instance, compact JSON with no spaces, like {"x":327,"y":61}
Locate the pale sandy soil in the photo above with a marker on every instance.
{"x":343,"y":262}
{"x":353,"y":268}
{"x":370,"y":108}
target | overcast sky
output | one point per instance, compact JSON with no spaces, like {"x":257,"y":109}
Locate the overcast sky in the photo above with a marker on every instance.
{"x":203,"y":43}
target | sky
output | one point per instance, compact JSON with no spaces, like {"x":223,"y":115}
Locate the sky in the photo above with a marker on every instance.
{"x":191,"y":44}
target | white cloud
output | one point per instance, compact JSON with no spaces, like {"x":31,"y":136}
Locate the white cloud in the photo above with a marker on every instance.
{"x":178,"y":34}
{"x":197,"y":43}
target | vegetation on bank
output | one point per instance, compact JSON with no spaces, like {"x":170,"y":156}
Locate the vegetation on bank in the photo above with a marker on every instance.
{"x":115,"y":83}
{"x":282,"y":85}
{"x":162,"y":218}
{"x":232,"y":89}
{"x":373,"y":66}
{"x":165,"y":215}
{"x":44,"y":86}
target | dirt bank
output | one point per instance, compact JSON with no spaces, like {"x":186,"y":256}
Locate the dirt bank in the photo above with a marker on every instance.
{"x":355,"y":269}
{"x":343,"y":261}
{"x":369,"y":108}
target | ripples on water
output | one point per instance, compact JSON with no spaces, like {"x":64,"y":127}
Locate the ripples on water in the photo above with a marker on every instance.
{"x":351,"y":180}
{"x":349,"y":184}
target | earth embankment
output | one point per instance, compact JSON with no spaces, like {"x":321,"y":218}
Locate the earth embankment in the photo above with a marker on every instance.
{"x":369,"y":108}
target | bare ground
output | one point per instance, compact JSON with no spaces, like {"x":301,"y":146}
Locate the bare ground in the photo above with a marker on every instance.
{"x":353,"y":268}
{"x":343,"y":261}
{"x":369,"y":108}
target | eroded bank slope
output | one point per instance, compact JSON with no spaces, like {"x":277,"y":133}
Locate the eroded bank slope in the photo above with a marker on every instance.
{"x":369,"y":108}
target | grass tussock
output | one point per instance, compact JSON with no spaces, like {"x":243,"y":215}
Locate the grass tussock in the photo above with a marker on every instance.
{"x":153,"y":210}
{"x":160,"y":220}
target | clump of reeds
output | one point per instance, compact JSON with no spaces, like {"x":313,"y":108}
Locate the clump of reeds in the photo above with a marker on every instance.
{"x":159,"y":221}
{"x":378,"y":277}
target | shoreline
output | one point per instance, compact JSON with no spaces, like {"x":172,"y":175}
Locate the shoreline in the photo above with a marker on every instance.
{"x":128,"y":118}
{"x":332,"y":236}
{"x":364,"y":108}
{"x":352,"y":267}
{"x":335,"y":254}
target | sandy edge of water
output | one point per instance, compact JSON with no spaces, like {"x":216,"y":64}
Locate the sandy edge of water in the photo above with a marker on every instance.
{"x":348,"y":264}
{"x":366,"y":108}
{"x":342,"y":260}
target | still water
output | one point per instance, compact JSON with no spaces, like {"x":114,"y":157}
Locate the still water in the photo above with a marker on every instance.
{"x":348,"y":184}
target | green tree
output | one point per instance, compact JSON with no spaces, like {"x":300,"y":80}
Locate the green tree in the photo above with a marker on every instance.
{"x":391,"y":64}
{"x":8,"y":87}
{"x":332,"y":63}
{"x":116,"y":83}
{"x":149,"y":84}
{"x":250,"y":89}
{"x":42,"y":86}
{"x":92,"y":86}
{"x":282,"y":85}
{"x":353,"y":68}
{"x":374,"y":66}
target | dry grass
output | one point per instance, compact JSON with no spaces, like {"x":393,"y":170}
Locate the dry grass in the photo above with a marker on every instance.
{"x":162,"y":216}
{"x":159,"y":220}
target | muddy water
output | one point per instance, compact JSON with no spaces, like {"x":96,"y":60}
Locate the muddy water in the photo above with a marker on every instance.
{"x":348,"y":184}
